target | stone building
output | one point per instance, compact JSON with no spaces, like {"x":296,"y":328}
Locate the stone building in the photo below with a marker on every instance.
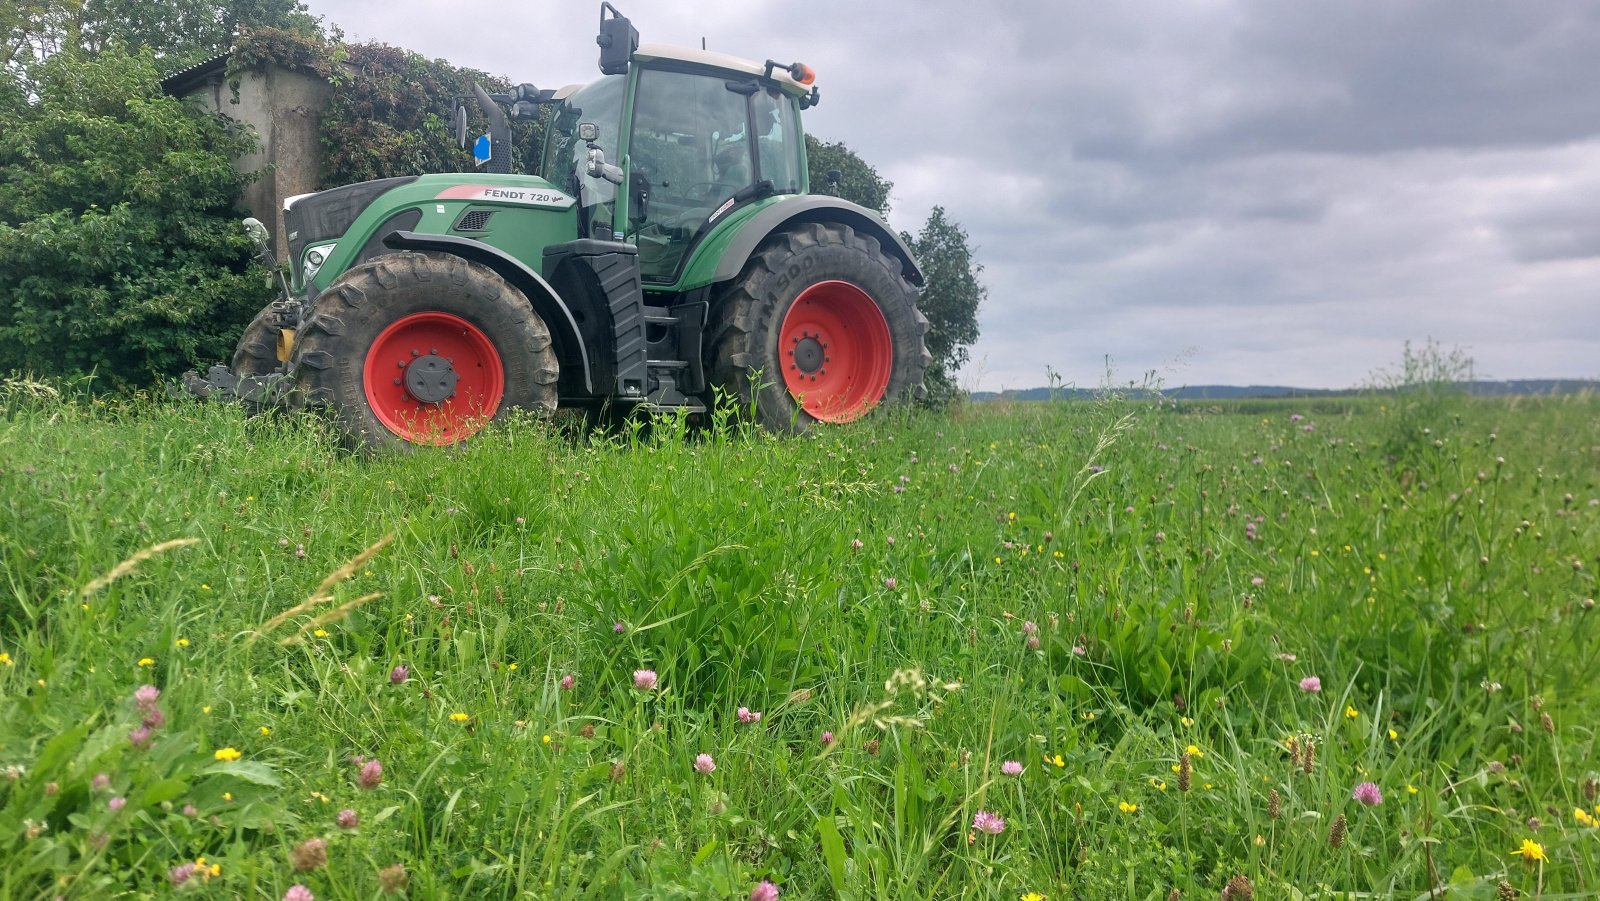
{"x":284,"y":108}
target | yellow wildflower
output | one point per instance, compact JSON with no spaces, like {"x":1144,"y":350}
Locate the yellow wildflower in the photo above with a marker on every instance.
{"x":459,"y":717}
{"x":1194,"y":751}
{"x":147,"y":661}
{"x":545,"y":739}
{"x":1530,"y":852}
{"x":1351,"y":712}
{"x":1125,"y":807}
{"x":227,"y":754}
{"x":1411,"y":789}
{"x":1033,"y":896}
{"x":265,"y":731}
{"x":227,"y":796}
{"x":1186,"y":722}
{"x":5,"y":659}
{"x":1058,"y":761}
{"x":1393,"y":735}
{"x":320,"y":633}
{"x":206,"y":709}
{"x":1583,"y":817}
{"x":182,"y":642}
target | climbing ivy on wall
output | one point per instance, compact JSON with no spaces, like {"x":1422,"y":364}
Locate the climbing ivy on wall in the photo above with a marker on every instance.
{"x":392,"y":110}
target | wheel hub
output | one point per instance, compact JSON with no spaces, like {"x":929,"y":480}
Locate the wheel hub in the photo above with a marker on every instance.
{"x":809,"y":353}
{"x":430,"y":378}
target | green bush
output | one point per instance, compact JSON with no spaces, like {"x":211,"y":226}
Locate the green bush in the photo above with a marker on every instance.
{"x":120,"y":251}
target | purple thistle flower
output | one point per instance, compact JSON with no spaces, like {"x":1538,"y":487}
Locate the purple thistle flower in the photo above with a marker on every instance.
{"x":984,"y":821}
{"x":764,"y":891}
{"x":619,"y":627}
{"x":1368,"y":794}
{"x":298,"y":893}
{"x":1311,"y":685}
{"x":348,"y":819}
{"x":644,"y":679}
{"x":399,"y":675}
{"x":1011,"y":768}
{"x":371,"y":774}
{"x":703,"y":763}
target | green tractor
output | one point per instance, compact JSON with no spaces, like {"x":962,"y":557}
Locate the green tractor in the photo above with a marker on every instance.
{"x":668,"y":247}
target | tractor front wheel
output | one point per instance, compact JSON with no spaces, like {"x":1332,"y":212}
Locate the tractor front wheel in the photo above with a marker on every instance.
{"x":415,"y":349}
{"x":826,"y":319}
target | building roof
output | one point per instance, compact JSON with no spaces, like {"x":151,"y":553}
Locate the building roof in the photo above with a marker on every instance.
{"x":182,"y":82}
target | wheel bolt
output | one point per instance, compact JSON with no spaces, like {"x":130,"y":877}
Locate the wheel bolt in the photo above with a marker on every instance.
{"x":399,"y":381}
{"x":415,"y":352}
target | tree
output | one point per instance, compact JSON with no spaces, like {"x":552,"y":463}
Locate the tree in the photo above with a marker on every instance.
{"x":950,"y":299}
{"x":858,"y":182}
{"x":120,"y":250}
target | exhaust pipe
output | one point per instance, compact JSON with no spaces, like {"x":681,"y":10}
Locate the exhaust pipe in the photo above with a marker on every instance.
{"x":499,"y":132}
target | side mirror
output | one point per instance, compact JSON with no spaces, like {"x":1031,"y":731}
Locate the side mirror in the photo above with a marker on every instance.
{"x":461,"y":125}
{"x":617,"y":39}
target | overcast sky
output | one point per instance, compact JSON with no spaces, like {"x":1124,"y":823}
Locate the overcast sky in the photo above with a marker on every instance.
{"x":1218,"y":191}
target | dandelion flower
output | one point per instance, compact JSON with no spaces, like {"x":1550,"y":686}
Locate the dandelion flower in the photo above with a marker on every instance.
{"x":1011,"y":768}
{"x":227,"y":755}
{"x":459,"y":717}
{"x":1032,"y":896}
{"x":644,"y":679}
{"x":1530,"y":852}
{"x":703,"y":763}
{"x":984,"y":821}
{"x":1311,"y":685}
{"x":764,"y":891}
{"x":1368,"y":794}
{"x":147,"y":661}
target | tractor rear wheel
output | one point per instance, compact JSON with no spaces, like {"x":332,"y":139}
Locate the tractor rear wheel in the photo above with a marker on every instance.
{"x":830,"y":324}
{"x":414,"y":349}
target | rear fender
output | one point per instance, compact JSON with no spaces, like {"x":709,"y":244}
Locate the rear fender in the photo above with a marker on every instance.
{"x":571,"y":351}
{"x":807,"y":208}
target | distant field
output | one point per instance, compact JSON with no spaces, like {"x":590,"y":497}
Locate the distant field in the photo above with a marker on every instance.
{"x":1166,"y":646}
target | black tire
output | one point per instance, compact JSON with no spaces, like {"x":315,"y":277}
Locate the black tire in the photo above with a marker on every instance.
{"x":255,"y":362}
{"x":347,"y":320}
{"x":749,"y":318}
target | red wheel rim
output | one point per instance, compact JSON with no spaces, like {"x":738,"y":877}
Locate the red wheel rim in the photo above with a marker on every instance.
{"x":836,"y":352}
{"x":433,"y":378}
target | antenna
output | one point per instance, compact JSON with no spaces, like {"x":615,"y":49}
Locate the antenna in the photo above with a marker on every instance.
{"x":702,"y":42}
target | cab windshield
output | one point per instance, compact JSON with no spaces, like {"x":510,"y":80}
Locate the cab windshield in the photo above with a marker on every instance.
{"x":698,"y":140}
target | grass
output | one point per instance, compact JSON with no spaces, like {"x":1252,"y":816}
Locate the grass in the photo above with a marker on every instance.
{"x":1106,"y":594}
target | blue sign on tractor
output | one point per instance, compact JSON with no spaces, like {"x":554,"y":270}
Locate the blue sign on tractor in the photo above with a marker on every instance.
{"x":480,"y":150}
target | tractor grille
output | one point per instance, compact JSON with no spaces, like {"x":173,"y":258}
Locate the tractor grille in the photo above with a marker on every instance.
{"x":474,"y":221}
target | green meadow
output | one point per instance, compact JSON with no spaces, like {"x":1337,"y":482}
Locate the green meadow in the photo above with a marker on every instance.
{"x":1334,"y":648}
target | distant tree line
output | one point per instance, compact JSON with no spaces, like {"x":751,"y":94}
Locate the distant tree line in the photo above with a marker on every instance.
{"x":120,"y":251}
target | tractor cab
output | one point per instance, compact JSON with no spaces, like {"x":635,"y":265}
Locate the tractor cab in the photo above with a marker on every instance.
{"x":707,"y":133}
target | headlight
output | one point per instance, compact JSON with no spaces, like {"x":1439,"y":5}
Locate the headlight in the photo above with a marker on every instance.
{"x":315,"y":258}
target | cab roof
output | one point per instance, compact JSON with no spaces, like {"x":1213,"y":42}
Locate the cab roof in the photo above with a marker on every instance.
{"x":780,"y":74}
